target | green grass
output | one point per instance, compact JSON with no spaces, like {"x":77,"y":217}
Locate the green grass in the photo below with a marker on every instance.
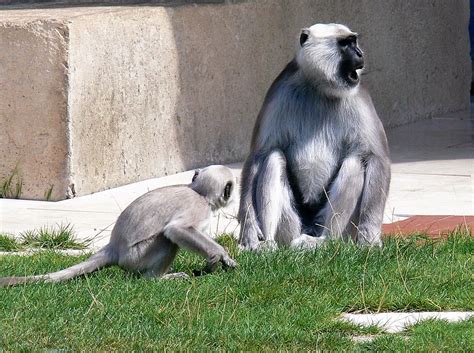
{"x":9,"y":243}
{"x":284,"y":300}
{"x":59,"y":237}
{"x":12,"y":186}
{"x":428,"y":336}
{"x":48,"y":193}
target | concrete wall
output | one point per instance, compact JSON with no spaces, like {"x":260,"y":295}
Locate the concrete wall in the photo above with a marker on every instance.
{"x":156,"y":90}
{"x":33,"y":105}
{"x":56,"y":3}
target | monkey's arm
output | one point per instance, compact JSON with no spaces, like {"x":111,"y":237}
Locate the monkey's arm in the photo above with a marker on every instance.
{"x":250,"y":232}
{"x":191,"y":239}
{"x":375,"y":192}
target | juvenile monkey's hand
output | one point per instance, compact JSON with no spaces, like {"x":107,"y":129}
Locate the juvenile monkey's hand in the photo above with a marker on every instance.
{"x":224,"y":258}
{"x":228,"y":262}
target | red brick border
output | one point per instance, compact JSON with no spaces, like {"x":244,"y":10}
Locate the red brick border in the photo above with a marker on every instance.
{"x":433,"y":226}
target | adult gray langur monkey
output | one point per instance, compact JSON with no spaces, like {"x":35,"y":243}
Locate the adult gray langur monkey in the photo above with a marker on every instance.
{"x":149,"y":232}
{"x":319,"y":163}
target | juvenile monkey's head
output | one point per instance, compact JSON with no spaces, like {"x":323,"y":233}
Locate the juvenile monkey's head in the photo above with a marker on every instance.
{"x":216,"y":183}
{"x":330,"y":58}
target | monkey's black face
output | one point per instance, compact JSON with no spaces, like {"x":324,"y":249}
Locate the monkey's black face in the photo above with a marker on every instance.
{"x":228,"y":190}
{"x":352,"y":60}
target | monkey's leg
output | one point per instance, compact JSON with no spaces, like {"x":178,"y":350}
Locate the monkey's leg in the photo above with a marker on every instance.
{"x":156,"y":257}
{"x":274,"y":201}
{"x":372,"y":203}
{"x":343,"y":197}
{"x":191,"y":239}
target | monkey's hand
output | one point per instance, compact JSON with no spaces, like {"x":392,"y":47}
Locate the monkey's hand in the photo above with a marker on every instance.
{"x":211,"y":265}
{"x":228,"y":262}
{"x":250,"y":236}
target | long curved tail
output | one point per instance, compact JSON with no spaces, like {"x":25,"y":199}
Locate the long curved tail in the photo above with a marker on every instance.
{"x":101,"y":259}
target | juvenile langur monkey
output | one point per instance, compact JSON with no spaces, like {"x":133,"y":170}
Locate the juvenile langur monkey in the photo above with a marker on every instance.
{"x":319,"y":163}
{"x":150,"y":231}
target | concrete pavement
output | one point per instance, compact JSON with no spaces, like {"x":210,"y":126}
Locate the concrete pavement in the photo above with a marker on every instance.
{"x":432,"y":174}
{"x":398,"y":322}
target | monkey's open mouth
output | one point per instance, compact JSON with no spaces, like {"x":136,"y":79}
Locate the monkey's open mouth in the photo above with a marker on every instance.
{"x":354,"y":76}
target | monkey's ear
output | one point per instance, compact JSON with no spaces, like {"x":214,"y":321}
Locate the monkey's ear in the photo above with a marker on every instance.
{"x":304,"y":36}
{"x":227,"y":190}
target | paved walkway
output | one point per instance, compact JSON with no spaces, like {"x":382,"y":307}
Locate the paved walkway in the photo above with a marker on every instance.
{"x":398,"y":322}
{"x":433,"y":226}
{"x":432,"y":174}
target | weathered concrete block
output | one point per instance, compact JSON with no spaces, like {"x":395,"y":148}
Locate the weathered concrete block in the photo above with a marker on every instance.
{"x":34,"y":104}
{"x":93,"y":98}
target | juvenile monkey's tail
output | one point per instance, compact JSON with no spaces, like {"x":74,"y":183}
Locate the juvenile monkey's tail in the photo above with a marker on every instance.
{"x":101,"y":259}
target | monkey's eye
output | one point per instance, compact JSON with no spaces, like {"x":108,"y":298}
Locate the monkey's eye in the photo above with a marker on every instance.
{"x":304,"y":37}
{"x":196,"y":173}
{"x":345,"y":42}
{"x":227,"y":190}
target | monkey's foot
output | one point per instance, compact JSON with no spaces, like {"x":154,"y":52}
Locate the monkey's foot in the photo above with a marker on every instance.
{"x":264,"y":245}
{"x":267,"y":245}
{"x":176,"y":275}
{"x":305,"y":242}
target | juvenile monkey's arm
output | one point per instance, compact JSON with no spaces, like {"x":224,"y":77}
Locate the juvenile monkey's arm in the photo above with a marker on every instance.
{"x":191,"y":239}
